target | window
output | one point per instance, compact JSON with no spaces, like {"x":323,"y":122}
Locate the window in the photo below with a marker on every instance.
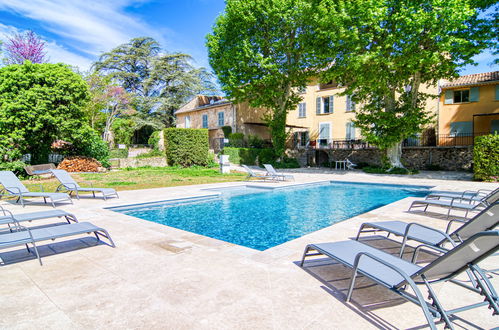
{"x":461,"y":128}
{"x":221,"y":119}
{"x":302,"y":110}
{"x":205,"y":121}
{"x":303,"y":139}
{"x":188,"y":122}
{"x":324,"y":134}
{"x":350,"y":131}
{"x":325,"y":105}
{"x":350,"y":103}
{"x":461,"y":96}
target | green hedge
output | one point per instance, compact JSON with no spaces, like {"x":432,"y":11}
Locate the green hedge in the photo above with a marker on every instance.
{"x":249,"y":156}
{"x":486,"y":157}
{"x":186,"y":146}
{"x":16,"y":166}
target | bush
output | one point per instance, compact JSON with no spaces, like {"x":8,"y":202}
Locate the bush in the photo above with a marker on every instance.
{"x":486,"y":158}
{"x":154,"y":140}
{"x":361,"y":165}
{"x":286,"y":162}
{"x":88,"y":143}
{"x":17,"y":167}
{"x":246,"y":156}
{"x":254,"y":141}
{"x":236,"y":140}
{"x":266,"y":156}
{"x":118,"y":153}
{"x":186,"y":146}
{"x":123,"y":130}
{"x":227,"y":130}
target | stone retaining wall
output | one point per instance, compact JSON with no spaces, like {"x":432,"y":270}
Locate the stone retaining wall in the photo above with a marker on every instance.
{"x":444,"y":158}
{"x":138,"y":162}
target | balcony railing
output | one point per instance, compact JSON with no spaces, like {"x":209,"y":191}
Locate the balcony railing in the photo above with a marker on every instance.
{"x":426,"y":140}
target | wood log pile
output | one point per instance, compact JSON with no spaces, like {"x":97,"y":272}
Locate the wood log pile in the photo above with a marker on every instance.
{"x":80,"y":164}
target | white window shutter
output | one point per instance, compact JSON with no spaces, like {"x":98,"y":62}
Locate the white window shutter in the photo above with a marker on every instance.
{"x":318,"y":105}
{"x":331,"y":104}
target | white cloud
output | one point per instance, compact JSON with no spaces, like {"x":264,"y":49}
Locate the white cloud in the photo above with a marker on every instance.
{"x":89,"y":26}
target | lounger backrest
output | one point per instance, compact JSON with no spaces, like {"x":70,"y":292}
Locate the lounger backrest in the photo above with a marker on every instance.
{"x":250,"y":172}
{"x":270,"y":169}
{"x":9,"y":179}
{"x":485,"y":220}
{"x":492,"y":197}
{"x":454,"y":262}
{"x":65,"y":178}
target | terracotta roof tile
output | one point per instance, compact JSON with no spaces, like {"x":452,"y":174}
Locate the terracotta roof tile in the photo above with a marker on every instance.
{"x":472,"y":79}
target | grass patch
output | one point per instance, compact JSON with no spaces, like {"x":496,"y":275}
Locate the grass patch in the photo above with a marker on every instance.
{"x":144,"y":178}
{"x":380,"y":170}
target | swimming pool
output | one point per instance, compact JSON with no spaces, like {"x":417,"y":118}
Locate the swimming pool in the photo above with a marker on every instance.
{"x":262,"y":218}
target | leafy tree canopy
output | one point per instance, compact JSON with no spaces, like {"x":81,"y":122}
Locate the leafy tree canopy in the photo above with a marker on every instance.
{"x":261,"y":50}
{"x":160,"y":82}
{"x":386,"y":50}
{"x":41,"y":103}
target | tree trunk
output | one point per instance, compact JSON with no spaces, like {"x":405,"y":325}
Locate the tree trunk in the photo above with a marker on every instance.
{"x":394,"y":155}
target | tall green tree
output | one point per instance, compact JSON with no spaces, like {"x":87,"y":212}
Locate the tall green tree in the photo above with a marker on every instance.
{"x":387,"y":50}
{"x":41,"y":103}
{"x":160,"y":82}
{"x":260,"y":51}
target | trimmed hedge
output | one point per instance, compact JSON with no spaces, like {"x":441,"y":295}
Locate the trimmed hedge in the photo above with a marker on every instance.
{"x":249,"y":156}
{"x":186,"y":146}
{"x":486,"y":157}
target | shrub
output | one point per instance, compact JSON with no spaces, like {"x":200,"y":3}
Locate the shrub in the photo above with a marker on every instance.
{"x":236,"y":140}
{"x":361,"y":165}
{"x":246,"y":156}
{"x":123,"y":130}
{"x":266,"y":156}
{"x":396,"y":170}
{"x":88,"y":143}
{"x":227,"y":130}
{"x":154,"y":140}
{"x":254,"y":141}
{"x":286,"y":162}
{"x":17,"y":167}
{"x":118,"y":153}
{"x":486,"y":157}
{"x":186,"y":146}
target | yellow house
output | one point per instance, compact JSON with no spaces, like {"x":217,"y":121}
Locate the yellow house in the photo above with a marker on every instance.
{"x":469,"y":106}
{"x":324,"y":116}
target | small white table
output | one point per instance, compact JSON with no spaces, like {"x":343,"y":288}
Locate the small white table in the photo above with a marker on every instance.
{"x":340,"y":165}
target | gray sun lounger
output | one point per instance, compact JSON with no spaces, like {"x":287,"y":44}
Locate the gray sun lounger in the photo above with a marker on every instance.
{"x":466,"y":195}
{"x":12,"y":186}
{"x":397,"y":274}
{"x":279,"y":176}
{"x":252,"y":174}
{"x":69,"y":184}
{"x":486,"y":220}
{"x":458,"y":203}
{"x":32,"y":216}
{"x":24,"y":236}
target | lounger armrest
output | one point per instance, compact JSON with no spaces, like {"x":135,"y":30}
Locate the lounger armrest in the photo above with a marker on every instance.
{"x":414,"y":224}
{"x":68,"y":185}
{"x":451,"y":222}
{"x":361,"y":255}
{"x":14,"y":188}
{"x":421,"y":246}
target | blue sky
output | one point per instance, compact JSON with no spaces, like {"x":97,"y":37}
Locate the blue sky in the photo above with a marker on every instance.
{"x":78,"y":31}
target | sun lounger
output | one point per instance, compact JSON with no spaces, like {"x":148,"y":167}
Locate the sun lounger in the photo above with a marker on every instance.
{"x":486,"y":220}
{"x":466,"y":195}
{"x":397,"y":274}
{"x":278,"y":176}
{"x":12,"y":186}
{"x":349,"y":164}
{"x":69,"y":184}
{"x":252,"y":174}
{"x":32,"y":216}
{"x":458,"y":203}
{"x":24,"y":236}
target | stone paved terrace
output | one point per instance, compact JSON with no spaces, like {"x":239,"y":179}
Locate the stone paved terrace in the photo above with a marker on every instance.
{"x":159,"y":277}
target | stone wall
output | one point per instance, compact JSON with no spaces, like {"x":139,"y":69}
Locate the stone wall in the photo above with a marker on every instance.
{"x":138,"y":162}
{"x":444,"y":158}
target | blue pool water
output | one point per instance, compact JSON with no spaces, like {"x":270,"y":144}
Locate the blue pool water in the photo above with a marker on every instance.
{"x":263,"y":218}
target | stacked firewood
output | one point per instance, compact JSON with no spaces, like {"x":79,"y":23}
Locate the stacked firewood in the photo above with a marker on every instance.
{"x":80,"y":164}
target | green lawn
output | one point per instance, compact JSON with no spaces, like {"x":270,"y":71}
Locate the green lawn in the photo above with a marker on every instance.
{"x":142,"y":178}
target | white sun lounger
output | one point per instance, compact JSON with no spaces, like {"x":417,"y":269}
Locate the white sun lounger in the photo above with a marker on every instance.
{"x":279,"y":176}
{"x":69,"y":184}
{"x":32,"y":216}
{"x":12,"y":186}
